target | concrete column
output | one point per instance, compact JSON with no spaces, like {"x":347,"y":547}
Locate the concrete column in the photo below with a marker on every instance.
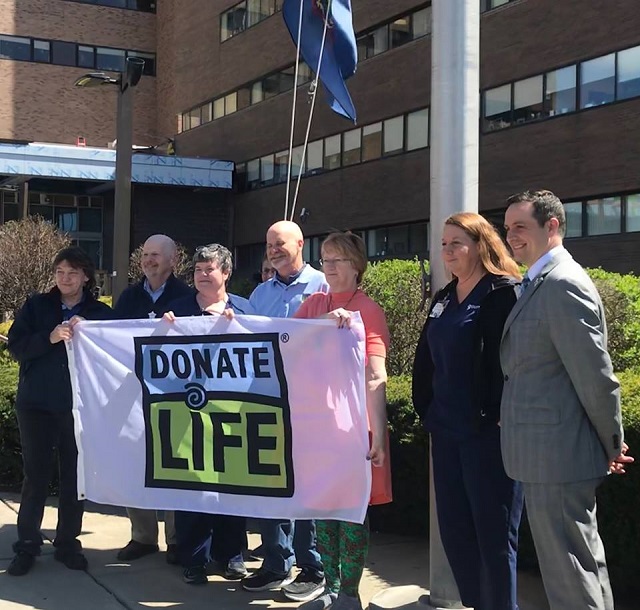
{"x":455,"y":115}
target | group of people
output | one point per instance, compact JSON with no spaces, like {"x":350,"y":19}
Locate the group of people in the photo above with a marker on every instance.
{"x":512,"y":379}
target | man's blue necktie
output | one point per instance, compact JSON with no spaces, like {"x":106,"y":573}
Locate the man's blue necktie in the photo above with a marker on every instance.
{"x":525,"y":284}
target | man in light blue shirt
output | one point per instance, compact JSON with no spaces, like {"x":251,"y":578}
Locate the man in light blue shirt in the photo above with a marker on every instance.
{"x":284,"y":541}
{"x":294,"y":280}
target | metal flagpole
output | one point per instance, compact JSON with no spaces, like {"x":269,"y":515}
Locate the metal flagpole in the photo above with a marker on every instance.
{"x":454,"y":118}
{"x":455,"y":113}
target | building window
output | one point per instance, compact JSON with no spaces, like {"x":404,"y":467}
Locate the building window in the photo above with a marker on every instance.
{"x":218,"y":108}
{"x":527,"y":99}
{"x":421,"y":23}
{"x":604,"y":216}
{"x":351,"y":147}
{"x":297,"y":162}
{"x":206,"y":113}
{"x":86,"y":57}
{"x":266,"y":170}
{"x":63,"y":53}
{"x":597,"y":81}
{"x":373,"y":43}
{"x":231,"y":103}
{"x":398,"y":241}
{"x":110,"y":59}
{"x":314,"y":156}
{"x":258,"y":10}
{"x":42,"y":51}
{"x":195,"y":118}
{"x":332,"y":152}
{"x":633,"y":213}
{"x":400,"y":32}
{"x":147,"y":6}
{"x":418,"y":129}
{"x":253,"y":173}
{"x":233,"y":21}
{"x":419,"y":238}
{"x":393,"y":135}
{"x":372,"y":141}
{"x":13,"y":47}
{"x":560,"y":91}
{"x":281,"y":166}
{"x":497,"y":107}
{"x":628,"y":73}
{"x":573,"y":213}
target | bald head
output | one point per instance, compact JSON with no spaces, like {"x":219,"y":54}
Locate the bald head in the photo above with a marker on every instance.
{"x":284,"y":247}
{"x":158,"y":259}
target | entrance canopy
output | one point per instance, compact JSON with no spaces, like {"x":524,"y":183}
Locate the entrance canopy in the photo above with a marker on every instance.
{"x":22,"y":161}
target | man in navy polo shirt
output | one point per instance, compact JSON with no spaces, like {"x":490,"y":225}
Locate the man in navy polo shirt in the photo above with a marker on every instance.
{"x":284,"y":541}
{"x":149,"y":299}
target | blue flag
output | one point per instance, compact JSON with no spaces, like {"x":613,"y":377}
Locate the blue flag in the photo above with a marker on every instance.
{"x":340,"y":54}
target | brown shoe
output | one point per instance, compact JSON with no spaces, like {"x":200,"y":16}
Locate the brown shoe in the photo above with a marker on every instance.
{"x":134,"y":550}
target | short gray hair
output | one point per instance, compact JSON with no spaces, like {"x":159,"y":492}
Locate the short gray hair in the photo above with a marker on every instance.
{"x":214,"y":253}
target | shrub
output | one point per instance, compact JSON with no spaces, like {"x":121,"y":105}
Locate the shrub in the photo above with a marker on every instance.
{"x":396,"y":286}
{"x":182,"y":270}
{"x":10,"y":452}
{"x":409,"y":450}
{"x":621,"y":299}
{"x":27,"y":249}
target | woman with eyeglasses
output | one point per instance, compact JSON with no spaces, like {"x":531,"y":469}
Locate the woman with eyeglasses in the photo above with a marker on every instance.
{"x":205,"y":538}
{"x":344,"y":546}
{"x":457,"y":389}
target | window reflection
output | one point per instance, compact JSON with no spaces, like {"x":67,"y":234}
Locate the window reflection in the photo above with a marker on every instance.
{"x":597,"y":81}
{"x":604,"y":216}
{"x":560,"y":94}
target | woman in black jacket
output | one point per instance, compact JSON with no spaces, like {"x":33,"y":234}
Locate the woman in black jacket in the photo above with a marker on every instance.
{"x":44,"y":407}
{"x":457,"y":388}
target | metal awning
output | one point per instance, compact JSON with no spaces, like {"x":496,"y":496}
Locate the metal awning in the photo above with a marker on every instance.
{"x":35,"y":160}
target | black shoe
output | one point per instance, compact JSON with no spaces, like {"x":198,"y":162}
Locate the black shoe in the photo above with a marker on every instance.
{"x":172,"y":555}
{"x":21,"y":564}
{"x":235,"y":568}
{"x":134,"y":550}
{"x":74,"y":560}
{"x":308,"y":585}
{"x":257,"y":554}
{"x":196,"y":575}
{"x":265,"y":580}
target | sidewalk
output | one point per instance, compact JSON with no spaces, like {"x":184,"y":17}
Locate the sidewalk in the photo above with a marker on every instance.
{"x":151,"y":583}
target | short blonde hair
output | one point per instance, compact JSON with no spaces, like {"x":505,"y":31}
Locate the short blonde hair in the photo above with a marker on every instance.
{"x":350,"y":246}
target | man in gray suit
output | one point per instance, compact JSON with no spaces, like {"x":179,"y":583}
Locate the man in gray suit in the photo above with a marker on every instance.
{"x":560,"y":413}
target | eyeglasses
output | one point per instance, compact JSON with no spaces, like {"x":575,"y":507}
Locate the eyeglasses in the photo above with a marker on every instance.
{"x":330,"y":262}
{"x":206,"y":271}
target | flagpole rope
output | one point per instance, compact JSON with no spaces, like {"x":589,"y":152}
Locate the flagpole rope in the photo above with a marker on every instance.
{"x":314,"y":92}
{"x":293,"y":113}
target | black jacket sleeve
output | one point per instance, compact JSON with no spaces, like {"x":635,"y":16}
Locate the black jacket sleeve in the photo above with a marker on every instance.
{"x":28,"y":341}
{"x":495,"y":311}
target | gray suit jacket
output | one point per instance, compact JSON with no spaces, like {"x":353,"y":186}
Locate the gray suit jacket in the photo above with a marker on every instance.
{"x":560,"y":410}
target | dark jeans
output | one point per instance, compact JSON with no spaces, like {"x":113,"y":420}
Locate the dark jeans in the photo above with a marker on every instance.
{"x":41,"y":432}
{"x":479,"y":509}
{"x":202,"y":537}
{"x":286,"y":541}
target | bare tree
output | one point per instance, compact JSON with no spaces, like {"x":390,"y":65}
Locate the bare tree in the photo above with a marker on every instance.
{"x":27,"y":250}
{"x":182,"y":269}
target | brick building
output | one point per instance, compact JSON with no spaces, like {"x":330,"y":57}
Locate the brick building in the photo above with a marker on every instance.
{"x":560,"y":93}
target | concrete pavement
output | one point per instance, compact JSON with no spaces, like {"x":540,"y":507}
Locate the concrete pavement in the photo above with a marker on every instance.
{"x":151,"y":583}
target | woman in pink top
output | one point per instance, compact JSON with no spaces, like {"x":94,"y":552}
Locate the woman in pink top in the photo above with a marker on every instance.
{"x":343,"y":545}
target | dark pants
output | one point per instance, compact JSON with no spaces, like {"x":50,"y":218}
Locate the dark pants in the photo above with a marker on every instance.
{"x":41,"y":432}
{"x":479,"y":510}
{"x":287,"y":541}
{"x":202,"y":537}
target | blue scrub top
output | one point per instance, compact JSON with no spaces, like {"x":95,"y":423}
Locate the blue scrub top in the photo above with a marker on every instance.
{"x":451,"y":342}
{"x":188,"y":306}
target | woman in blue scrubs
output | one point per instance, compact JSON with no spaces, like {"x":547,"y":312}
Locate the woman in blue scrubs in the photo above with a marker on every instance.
{"x":457,"y":387}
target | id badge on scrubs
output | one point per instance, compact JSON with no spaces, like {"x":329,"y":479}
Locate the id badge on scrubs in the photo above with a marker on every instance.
{"x":438,"y":308}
